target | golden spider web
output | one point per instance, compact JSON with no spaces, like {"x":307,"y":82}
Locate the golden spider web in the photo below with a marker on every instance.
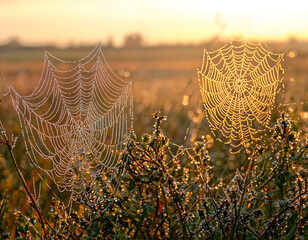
{"x":238,"y":84}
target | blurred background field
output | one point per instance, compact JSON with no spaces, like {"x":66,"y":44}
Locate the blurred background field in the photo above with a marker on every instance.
{"x":161,"y":57}
{"x":164,"y":78}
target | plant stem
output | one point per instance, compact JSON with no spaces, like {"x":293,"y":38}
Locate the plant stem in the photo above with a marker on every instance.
{"x":280,"y":213}
{"x":238,"y":213}
{"x":179,"y":209}
{"x":159,"y":225}
{"x":33,"y":203}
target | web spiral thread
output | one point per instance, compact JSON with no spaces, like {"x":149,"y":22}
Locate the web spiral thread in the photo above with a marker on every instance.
{"x":75,"y":121}
{"x":238,"y":84}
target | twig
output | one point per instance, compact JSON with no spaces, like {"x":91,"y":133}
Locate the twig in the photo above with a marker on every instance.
{"x":179,"y":208}
{"x":270,"y":179}
{"x":159,"y":225}
{"x":238,"y":212}
{"x":33,"y":203}
{"x":252,"y":231}
{"x":216,"y":208}
{"x":280,"y":213}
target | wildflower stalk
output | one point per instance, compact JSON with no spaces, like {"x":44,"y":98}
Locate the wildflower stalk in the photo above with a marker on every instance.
{"x":280,"y":213}
{"x":238,"y":212}
{"x":160,"y":225}
{"x":217,"y":211}
{"x":43,"y":221}
{"x":34,"y":205}
{"x":179,"y":209}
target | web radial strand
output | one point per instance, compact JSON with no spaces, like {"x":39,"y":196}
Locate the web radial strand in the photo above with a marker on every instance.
{"x":238,"y":85}
{"x":76,"y":118}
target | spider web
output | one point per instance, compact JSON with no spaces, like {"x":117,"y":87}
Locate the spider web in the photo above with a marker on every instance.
{"x":75,"y":121}
{"x":238,"y":84}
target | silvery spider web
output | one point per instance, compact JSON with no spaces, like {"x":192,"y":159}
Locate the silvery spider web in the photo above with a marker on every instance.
{"x":238,"y":84}
{"x":75,"y":121}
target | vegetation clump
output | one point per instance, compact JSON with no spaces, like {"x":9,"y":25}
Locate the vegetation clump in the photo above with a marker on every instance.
{"x":168,"y":191}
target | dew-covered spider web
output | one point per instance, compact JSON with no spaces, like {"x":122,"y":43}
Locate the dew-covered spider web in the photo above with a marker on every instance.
{"x":75,"y":121}
{"x":238,"y":84}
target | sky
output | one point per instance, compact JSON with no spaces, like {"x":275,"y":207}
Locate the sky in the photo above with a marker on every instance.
{"x":64,"y":22}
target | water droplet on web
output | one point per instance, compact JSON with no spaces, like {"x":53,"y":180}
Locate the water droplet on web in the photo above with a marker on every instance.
{"x":76,"y":110}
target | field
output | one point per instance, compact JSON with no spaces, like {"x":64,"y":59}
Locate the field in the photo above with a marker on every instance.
{"x":161,"y":76}
{"x":164,"y":78}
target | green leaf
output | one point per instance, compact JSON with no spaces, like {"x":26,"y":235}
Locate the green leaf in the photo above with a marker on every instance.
{"x":120,"y":234}
{"x":141,"y":219}
{"x":291,"y":234}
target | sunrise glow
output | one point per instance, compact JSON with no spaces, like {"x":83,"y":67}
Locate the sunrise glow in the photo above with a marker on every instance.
{"x":175,"y":21}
